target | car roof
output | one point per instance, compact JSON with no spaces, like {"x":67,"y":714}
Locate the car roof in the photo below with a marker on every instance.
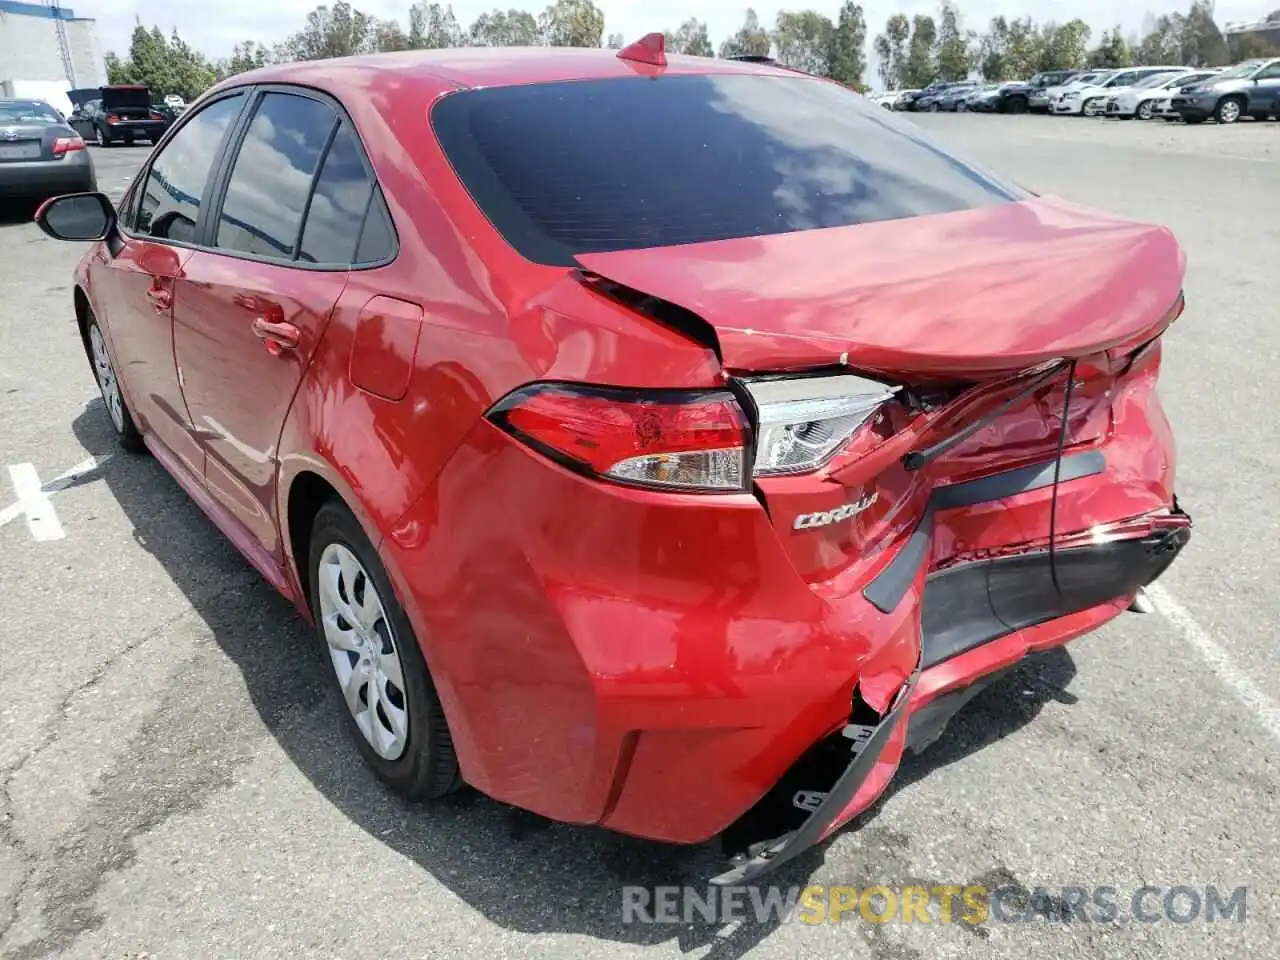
{"x":484,"y":67}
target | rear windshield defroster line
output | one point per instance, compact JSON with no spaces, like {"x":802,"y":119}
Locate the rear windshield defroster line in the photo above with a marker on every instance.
{"x":592,"y":166}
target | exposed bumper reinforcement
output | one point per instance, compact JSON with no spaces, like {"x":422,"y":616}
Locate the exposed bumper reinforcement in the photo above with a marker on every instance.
{"x":771,"y":854}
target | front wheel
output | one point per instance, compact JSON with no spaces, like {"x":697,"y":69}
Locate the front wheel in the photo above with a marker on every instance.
{"x":366,"y":639}
{"x":1228,"y":110}
{"x":1144,"y":110}
{"x":104,"y":372}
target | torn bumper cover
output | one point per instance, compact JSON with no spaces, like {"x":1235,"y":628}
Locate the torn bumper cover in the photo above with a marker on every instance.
{"x":964,"y":608}
{"x":868,"y":742}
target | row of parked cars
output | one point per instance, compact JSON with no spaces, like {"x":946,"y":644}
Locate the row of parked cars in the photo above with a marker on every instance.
{"x":1191,"y":94}
{"x":42,"y":150}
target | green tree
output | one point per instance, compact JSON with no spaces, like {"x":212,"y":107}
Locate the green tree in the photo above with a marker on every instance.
{"x":572,"y":23}
{"x":891,"y":51}
{"x":1202,"y":42}
{"x":514,"y":28}
{"x":803,"y":40}
{"x":751,"y":39}
{"x":1064,"y":46}
{"x":922,"y":64}
{"x":690,"y":38}
{"x":847,"y":57}
{"x":191,"y":74}
{"x":1112,"y":51}
{"x":1162,"y":43}
{"x":1025,"y":50}
{"x":434,"y":27}
{"x":337,"y":31}
{"x":953,"y":48}
{"x":993,"y":52}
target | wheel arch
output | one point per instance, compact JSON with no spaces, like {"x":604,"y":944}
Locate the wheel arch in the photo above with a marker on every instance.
{"x":83,"y":310}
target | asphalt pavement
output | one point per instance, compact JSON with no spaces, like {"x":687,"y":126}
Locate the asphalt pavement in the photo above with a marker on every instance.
{"x":175,"y":780}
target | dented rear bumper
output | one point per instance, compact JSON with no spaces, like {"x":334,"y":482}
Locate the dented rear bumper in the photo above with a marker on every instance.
{"x":967,"y":611}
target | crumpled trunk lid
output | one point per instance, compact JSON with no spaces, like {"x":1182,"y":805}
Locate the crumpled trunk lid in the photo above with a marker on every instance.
{"x":975,"y":294}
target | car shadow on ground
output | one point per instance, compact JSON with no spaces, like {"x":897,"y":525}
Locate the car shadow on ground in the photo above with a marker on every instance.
{"x":15,"y":213}
{"x":522,"y":872}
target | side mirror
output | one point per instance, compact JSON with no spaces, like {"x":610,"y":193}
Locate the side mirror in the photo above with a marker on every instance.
{"x":77,"y":216}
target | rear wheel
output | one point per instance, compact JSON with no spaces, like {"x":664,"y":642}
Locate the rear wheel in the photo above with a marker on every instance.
{"x":1017,"y":105}
{"x":109,"y":386}
{"x":367,"y":641}
{"x":103,"y":139}
{"x":1228,"y":110}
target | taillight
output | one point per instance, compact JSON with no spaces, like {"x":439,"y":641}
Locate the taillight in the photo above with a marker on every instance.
{"x":156,"y":116}
{"x":112,"y":118}
{"x":671,"y":439}
{"x":67,"y":144}
{"x":805,"y":421}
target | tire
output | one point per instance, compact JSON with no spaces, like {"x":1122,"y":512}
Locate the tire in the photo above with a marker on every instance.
{"x":1144,"y":110}
{"x":419,"y":764}
{"x":103,"y":139}
{"x":1017,"y":105}
{"x":1228,"y":110}
{"x":127,"y":433}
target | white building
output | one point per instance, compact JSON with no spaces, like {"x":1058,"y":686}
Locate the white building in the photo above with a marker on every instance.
{"x":32,"y":59}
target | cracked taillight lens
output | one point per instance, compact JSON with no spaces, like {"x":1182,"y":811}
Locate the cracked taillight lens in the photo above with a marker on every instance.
{"x":803,"y":422}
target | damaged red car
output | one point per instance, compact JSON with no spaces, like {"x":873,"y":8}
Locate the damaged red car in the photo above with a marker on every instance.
{"x":660,"y":443}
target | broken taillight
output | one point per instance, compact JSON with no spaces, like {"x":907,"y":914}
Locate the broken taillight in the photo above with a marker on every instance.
{"x":690,"y":440}
{"x":805,"y":421}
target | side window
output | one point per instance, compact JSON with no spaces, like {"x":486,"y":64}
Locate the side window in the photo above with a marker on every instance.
{"x":266,"y":196}
{"x":170,"y":201}
{"x":1270,"y":73}
{"x":378,"y":239}
{"x":338,"y":205}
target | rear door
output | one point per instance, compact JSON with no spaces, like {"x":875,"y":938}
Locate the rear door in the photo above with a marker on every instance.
{"x":254,"y":302}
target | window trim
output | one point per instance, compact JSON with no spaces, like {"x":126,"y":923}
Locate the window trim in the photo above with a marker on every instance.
{"x":226,"y":166}
{"x":158,"y":151}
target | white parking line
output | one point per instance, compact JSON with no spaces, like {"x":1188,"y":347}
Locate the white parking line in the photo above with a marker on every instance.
{"x":42,"y":519}
{"x":1217,"y":658}
{"x":33,"y":498}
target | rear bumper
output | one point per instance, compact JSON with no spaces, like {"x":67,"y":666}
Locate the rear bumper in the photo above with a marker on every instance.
{"x":46,"y":178}
{"x":654,"y":663}
{"x":136,"y":130}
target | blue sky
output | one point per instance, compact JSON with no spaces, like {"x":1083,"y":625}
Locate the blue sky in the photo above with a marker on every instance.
{"x":215,"y":25}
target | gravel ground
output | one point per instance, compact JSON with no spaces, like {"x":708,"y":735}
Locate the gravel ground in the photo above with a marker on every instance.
{"x":174,"y":781}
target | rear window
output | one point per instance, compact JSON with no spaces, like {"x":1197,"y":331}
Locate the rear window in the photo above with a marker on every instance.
{"x":590,"y":166}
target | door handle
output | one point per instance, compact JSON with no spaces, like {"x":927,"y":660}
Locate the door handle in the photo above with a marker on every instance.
{"x":161,"y":298}
{"x":276,"y":335}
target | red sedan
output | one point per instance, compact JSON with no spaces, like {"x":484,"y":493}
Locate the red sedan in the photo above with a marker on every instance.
{"x":660,"y":444}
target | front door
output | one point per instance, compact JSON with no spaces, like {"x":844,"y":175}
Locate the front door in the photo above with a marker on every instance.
{"x":252,"y":306}
{"x":139,"y":278}
{"x":1265,"y":98}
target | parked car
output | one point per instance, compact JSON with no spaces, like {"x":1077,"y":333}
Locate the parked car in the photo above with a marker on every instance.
{"x":930,"y":99}
{"x":607,"y":512}
{"x":40,"y":155}
{"x":983,"y":99}
{"x":914,"y":101}
{"x":116,"y":114}
{"x":1033,"y":94}
{"x":1141,"y":99}
{"x":1250,"y":89}
{"x":950,"y":101}
{"x":904,"y":99}
{"x":1086,"y":79}
{"x":1090,"y":100}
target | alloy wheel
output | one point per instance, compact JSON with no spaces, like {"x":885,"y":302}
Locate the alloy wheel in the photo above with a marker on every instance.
{"x":1144,"y":110}
{"x":362,"y":648}
{"x":106,"y":374}
{"x":1229,"y":112}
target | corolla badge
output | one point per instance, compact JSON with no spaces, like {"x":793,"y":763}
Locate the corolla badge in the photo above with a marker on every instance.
{"x":809,"y":521}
